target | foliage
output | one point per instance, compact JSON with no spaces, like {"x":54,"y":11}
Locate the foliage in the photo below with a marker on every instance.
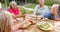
{"x":32,"y":1}
{"x":29,"y":12}
{"x":24,"y":11}
{"x":50,"y":2}
{"x":2,"y":1}
{"x":31,"y":6}
{"x":47,"y":2}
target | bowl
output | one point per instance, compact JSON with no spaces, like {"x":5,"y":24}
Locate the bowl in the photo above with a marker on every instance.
{"x":45,"y":26}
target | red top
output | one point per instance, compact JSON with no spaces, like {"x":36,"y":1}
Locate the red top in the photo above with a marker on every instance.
{"x":15,"y":12}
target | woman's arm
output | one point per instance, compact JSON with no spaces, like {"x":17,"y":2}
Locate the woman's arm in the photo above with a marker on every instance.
{"x":21,"y":25}
{"x":19,"y":15}
{"x":16,"y":16}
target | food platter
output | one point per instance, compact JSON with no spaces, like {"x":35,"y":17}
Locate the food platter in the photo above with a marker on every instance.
{"x":45,"y":26}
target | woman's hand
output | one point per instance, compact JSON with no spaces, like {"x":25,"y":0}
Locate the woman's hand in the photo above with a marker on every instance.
{"x":57,"y":19}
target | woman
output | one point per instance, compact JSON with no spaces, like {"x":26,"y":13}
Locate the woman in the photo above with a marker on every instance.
{"x":6,"y":23}
{"x":14,"y":9}
{"x":54,"y":14}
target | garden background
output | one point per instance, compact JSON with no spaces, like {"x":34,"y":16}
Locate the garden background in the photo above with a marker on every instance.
{"x":29,"y":4}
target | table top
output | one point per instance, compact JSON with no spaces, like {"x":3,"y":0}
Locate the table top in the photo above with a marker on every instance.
{"x":34,"y":28}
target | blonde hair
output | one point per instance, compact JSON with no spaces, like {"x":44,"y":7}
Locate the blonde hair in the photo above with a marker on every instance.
{"x":5,"y":21}
{"x":55,"y":5}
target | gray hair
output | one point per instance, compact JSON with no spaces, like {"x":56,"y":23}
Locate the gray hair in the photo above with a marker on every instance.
{"x":55,"y":5}
{"x":12,"y":2}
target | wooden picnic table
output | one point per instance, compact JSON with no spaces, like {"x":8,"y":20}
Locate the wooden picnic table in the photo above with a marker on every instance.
{"x":34,"y":27}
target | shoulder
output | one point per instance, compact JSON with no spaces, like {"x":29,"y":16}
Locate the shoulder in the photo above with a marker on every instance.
{"x":10,"y":10}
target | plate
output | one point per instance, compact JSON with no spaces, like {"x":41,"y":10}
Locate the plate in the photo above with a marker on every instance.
{"x":45,"y":25}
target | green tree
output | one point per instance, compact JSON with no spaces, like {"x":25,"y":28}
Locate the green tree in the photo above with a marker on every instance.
{"x":2,"y":1}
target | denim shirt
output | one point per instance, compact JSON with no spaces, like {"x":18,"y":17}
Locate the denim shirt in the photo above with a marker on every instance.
{"x":50,"y":15}
{"x":59,"y":14}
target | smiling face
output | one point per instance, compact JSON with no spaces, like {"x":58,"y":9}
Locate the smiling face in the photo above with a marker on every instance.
{"x":54,"y":10}
{"x":14,"y":5}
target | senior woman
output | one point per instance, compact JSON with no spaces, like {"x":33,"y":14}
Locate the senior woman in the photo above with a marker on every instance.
{"x":14,"y":9}
{"x":54,"y":14}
